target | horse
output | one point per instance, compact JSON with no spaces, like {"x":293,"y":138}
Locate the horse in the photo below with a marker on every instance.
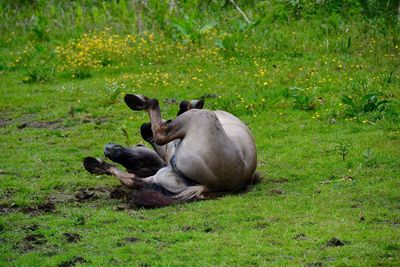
{"x":198,"y":155}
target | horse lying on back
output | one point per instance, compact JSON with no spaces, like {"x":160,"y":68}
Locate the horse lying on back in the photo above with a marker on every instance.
{"x":199,"y":154}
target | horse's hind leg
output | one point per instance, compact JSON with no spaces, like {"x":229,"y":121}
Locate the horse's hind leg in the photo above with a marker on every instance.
{"x":139,"y":160}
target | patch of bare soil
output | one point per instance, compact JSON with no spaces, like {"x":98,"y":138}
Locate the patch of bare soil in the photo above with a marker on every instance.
{"x":277,"y":181}
{"x":96,"y":120}
{"x":335,"y":242}
{"x":30,"y":242}
{"x":56,"y":124}
{"x":119,"y":193}
{"x":82,"y":195}
{"x":71,"y":237}
{"x":300,"y":236}
{"x":275,"y":192}
{"x":72,"y":262}
{"x":5,"y":122}
{"x":127,"y":241}
{"x":47,"y":207}
{"x":85,"y":195}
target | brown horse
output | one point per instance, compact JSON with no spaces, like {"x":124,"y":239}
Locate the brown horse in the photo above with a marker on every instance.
{"x":201,"y":153}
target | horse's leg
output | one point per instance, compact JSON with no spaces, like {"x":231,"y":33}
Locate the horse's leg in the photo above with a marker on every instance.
{"x":147,"y":133}
{"x":97,"y":166}
{"x":162,"y":189}
{"x":163,"y":132}
{"x":139,"y":160}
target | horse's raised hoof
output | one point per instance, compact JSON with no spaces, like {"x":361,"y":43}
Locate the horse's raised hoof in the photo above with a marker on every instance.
{"x":96,"y":166}
{"x":136,"y":102}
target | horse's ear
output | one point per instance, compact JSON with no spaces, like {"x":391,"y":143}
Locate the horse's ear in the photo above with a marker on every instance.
{"x":183,"y":107}
{"x":198,"y":104}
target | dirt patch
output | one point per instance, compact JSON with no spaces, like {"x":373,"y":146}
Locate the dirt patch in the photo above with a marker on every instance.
{"x":5,"y":122}
{"x":187,"y":228}
{"x":86,"y":195}
{"x":71,"y":237}
{"x":95,"y":120}
{"x":277,"y":181}
{"x":56,"y":124}
{"x":48,"y":207}
{"x":335,"y":242}
{"x":127,"y":240}
{"x":275,"y":192}
{"x":315,"y":264}
{"x":300,"y":236}
{"x":32,"y":227}
{"x":132,"y":239}
{"x":30,"y":242}
{"x":37,"y":239}
{"x":8,"y":208}
{"x":118,"y":193}
{"x":72,"y":262}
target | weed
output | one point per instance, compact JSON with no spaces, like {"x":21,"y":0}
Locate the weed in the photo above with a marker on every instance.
{"x":302,"y":99}
{"x":368,"y":103}
{"x":343,"y":149}
{"x":79,"y":219}
{"x":34,"y":75}
{"x":125,"y":132}
{"x":369,"y":159}
{"x":189,"y":30}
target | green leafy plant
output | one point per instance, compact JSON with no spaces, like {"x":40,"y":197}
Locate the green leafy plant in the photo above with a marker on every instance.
{"x":371,"y":102}
{"x":34,"y":75}
{"x":343,"y":149}
{"x":189,"y":30}
{"x":302,"y":99}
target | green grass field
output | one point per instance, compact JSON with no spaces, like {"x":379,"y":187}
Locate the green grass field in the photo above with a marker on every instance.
{"x":320,"y":93}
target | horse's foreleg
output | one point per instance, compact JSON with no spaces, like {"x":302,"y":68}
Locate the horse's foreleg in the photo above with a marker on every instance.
{"x":139,"y":159}
{"x":163,"y":132}
{"x":129,"y":180}
{"x":97,"y":166}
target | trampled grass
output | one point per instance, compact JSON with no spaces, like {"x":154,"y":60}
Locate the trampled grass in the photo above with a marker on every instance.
{"x":330,"y":188}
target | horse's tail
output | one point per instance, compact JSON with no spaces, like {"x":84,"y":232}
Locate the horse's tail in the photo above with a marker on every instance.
{"x":150,"y":199}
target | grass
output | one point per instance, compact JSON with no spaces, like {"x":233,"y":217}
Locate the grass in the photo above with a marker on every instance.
{"x":328,"y":152}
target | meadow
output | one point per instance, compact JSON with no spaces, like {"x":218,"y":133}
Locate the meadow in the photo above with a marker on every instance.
{"x":317,"y":82}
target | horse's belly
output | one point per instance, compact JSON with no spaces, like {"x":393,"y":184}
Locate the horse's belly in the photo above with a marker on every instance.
{"x":210,"y":165}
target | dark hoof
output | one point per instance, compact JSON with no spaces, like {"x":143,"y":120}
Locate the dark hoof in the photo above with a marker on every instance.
{"x":136,"y":102}
{"x":96,"y":166}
